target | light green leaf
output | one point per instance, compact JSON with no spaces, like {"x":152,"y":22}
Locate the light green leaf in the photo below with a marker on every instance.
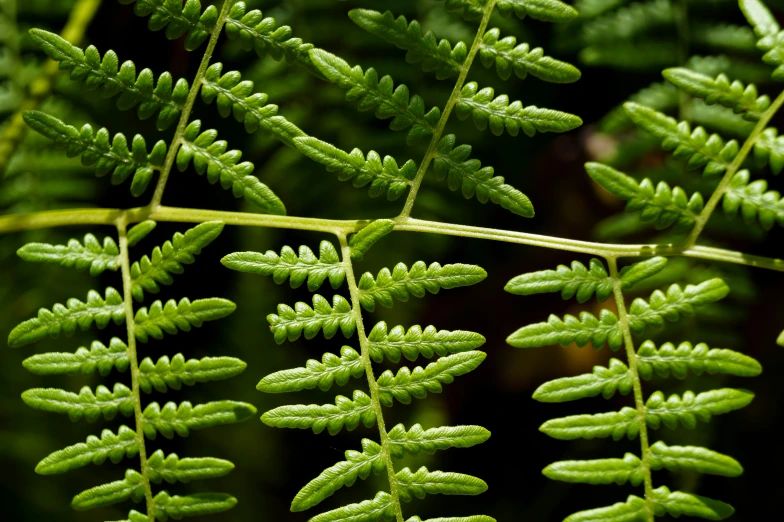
{"x":363,"y":241}
{"x":417,"y":439}
{"x":181,"y":419}
{"x":509,"y":57}
{"x":570,"y":329}
{"x":290,"y":323}
{"x":140,"y":231}
{"x":98,"y":357}
{"x":601,"y":471}
{"x":178,"y":19}
{"x":380,"y":508}
{"x":174,"y":316}
{"x":94,"y":451}
{"x":668,"y":360}
{"x":604,"y":381}
{"x":677,"y":503}
{"x":177,"y":507}
{"x":331,"y":369}
{"x":174,"y":373}
{"x":753,"y":201}
{"x":642,"y":56}
{"x":625,"y":423}
{"x":345,"y":412}
{"x":692,"y":407}
{"x":419,"y":381}
{"x":769,"y":148}
{"x":640,"y":271}
{"x":544,"y":10}
{"x":692,"y":458}
{"x":676,"y":302}
{"x":81,"y":256}
{"x":401,"y":283}
{"x":423,"y":482}
{"x":173,"y":469}
{"x":135,"y":516}
{"x":780,"y":340}
{"x":131,"y":487}
{"x":759,"y":17}
{"x":84,"y":404}
{"x":415,"y":342}
{"x":576,"y":281}
{"x":633,"y":510}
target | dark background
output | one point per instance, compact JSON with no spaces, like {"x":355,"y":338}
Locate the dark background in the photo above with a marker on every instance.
{"x":272,"y":464}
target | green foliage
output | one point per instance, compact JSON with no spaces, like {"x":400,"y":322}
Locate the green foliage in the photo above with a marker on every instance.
{"x":114,"y":447}
{"x":753,"y":201}
{"x":178,"y":19}
{"x":578,"y":281}
{"x":583,"y":330}
{"x":86,"y":403}
{"x":364,"y":240}
{"x":679,"y":361}
{"x":174,"y":373}
{"x":98,"y":357}
{"x":331,"y":369}
{"x":391,"y":344}
{"x":345,"y":412}
{"x":509,"y":57}
{"x":771,"y":40}
{"x":175,"y":316}
{"x":90,"y":255}
{"x":290,"y":323}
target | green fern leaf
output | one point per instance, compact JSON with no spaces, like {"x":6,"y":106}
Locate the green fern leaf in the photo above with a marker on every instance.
{"x":135,"y":516}
{"x":472,"y":9}
{"x":769,"y":148}
{"x":484,"y":109}
{"x":176,"y":507}
{"x":629,"y":22}
{"x":419,"y":381}
{"x":384,"y":176}
{"x":509,"y":57}
{"x":741,"y":99}
{"x":659,"y":96}
{"x":401,"y":282}
{"x":98,"y":357}
{"x":173,"y":469}
{"x":423,"y":482}
{"x":638,"y":272}
{"x":166,"y":99}
{"x":85,"y":404}
{"x":600,"y":471}
{"x":380,"y":508}
{"x":434,"y":55}
{"x":379,"y":95}
{"x":586,"y":329}
{"x":676,"y":302}
{"x":690,"y":408}
{"x":345,"y":412}
{"x":96,"y":148}
{"x":363,"y":241}
{"x":662,"y":206}
{"x":544,"y":10}
{"x":452,"y":163}
{"x":358,"y":465}
{"x":178,"y":19}
{"x":140,"y":231}
{"x":66,"y":319}
{"x":287,"y":265}
{"x":474,"y":518}
{"x":625,"y":423}
{"x":577,"y":281}
{"x":604,"y":381}
{"x":94,"y":451}
{"x":771,"y":38}
{"x":415,"y":342}
{"x":668,"y":360}
{"x":81,"y":256}
{"x":692,"y":458}
{"x":699,"y":149}
{"x":417,"y":440}
{"x":176,"y":316}
{"x":181,"y":419}
{"x":130,"y":488}
{"x":642,"y":56}
{"x":236,"y":97}
{"x":147,"y":274}
{"x":754,"y":201}
{"x":725,"y":37}
{"x":174,"y":373}
{"x":331,"y":369}
{"x":633,"y":510}
{"x":677,"y":503}
{"x":780,"y":340}
{"x":210,"y":156}
{"x":759,"y":17}
{"x":289,"y":323}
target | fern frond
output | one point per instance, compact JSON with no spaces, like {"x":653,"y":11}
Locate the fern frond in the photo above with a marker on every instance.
{"x":380,"y":508}
{"x":176,"y":507}
{"x":473,"y":518}
{"x":380,"y":96}
{"x":423,"y":482}
{"x":417,"y":440}
{"x":625,"y":423}
{"x":236,"y":97}
{"x":640,"y":271}
{"x":677,"y":503}
{"x":544,"y":10}
{"x":384,"y":176}
{"x":147,"y":274}
{"x":676,"y":302}
{"x":691,"y":407}
{"x":769,"y":148}
{"x":742,"y":99}
{"x":290,"y":323}
{"x":66,"y":319}
{"x":345,"y":412}
{"x":174,"y":316}
{"x":500,"y":114}
{"x":452,"y":163}
{"x":103,"y":402}
{"x":90,"y":255}
{"x":97,"y":149}
{"x":415,"y":342}
{"x":210,"y":156}
{"x":726,"y":37}
{"x":668,"y":360}
{"x":604,"y":381}
{"x":434,"y":55}
{"x":600,"y":471}
{"x":178,"y":19}
{"x":96,"y":450}
{"x":331,"y":369}
{"x":172,"y":468}
{"x":575,"y":281}
{"x":129,"y":488}
{"x":660,"y":96}
{"x":287,"y":265}
{"x":182,"y":419}
{"x":401,"y":282}
{"x":633,"y":510}
{"x":753,"y":201}
{"x":139,"y":231}
{"x":697,"y":147}
{"x":771,"y":38}
{"x":780,"y":340}
{"x":651,"y":55}
{"x":166,"y":98}
{"x":663,"y":206}
{"x":586,"y":329}
{"x":174,"y":373}
{"x":509,"y":57}
{"x":629,"y":22}
{"x":692,"y":458}
{"x":419,"y":381}
{"x":361,"y":242}
{"x":98,"y":357}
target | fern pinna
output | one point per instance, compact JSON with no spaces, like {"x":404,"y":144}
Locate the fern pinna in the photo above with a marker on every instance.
{"x":457,"y":355}
{"x":152,"y":322}
{"x":645,"y":362}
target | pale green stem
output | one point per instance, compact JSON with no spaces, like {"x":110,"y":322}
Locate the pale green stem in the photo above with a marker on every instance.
{"x":706,"y":213}
{"x":41,"y":87}
{"x":187,"y":109}
{"x":450,"y":104}
{"x":639,"y":401}
{"x":372,"y":384}
{"x":105,"y":216}
{"x":125,"y":265}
